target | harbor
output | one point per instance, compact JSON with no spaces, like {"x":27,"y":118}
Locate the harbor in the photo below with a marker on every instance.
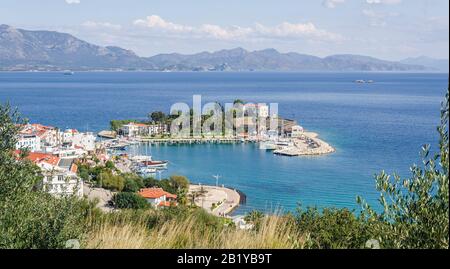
{"x":307,"y":143}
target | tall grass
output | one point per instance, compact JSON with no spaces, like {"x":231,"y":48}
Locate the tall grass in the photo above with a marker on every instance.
{"x":192,"y":232}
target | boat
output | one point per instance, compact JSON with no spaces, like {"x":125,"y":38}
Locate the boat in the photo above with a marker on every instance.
{"x":141,"y":158}
{"x":360,"y":81}
{"x":118,"y":146}
{"x":267,"y":145}
{"x":154,"y":164}
{"x":284,"y":143}
{"x":68,"y":73}
{"x":146,"y":170}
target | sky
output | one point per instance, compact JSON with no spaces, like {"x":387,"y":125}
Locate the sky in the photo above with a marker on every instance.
{"x":387,"y":29}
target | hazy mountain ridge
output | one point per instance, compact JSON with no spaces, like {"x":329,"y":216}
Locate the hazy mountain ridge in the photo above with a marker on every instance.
{"x":48,"y":50}
{"x":438,"y":64}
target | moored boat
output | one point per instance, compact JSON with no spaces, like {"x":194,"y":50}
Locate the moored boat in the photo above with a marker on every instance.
{"x":154,"y":164}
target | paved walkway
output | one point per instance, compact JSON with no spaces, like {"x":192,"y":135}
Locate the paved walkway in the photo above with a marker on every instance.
{"x":228,"y":198}
{"x":103,"y":196}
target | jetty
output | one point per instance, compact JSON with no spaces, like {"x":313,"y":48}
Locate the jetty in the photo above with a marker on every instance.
{"x":219,"y":201}
{"x":307,"y":144}
{"x":193,"y":140}
{"x":107,"y":134}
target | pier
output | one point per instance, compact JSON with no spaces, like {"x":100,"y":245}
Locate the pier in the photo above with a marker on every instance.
{"x":308,"y":144}
{"x":174,"y":141}
{"x":219,"y":201}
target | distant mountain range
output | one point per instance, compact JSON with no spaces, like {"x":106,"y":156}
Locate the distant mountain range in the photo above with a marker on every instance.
{"x":47,"y":50}
{"x":437,"y":64}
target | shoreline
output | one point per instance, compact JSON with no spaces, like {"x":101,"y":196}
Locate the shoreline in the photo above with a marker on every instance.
{"x":308,"y":144}
{"x":218,"y":201}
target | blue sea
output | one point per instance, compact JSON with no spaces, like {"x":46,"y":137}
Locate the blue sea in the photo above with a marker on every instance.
{"x":374,"y":127}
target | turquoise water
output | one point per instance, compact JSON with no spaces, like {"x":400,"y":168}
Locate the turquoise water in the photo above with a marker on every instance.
{"x":373,"y":126}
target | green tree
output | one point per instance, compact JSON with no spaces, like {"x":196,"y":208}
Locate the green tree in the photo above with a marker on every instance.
{"x":115,"y":125}
{"x":124,"y":200}
{"x":110,"y":165}
{"x":415,"y":210}
{"x":133,"y":183}
{"x":157,"y":116}
{"x":331,"y":228}
{"x":180,"y":184}
{"x":30,"y":218}
{"x":111,"y":182}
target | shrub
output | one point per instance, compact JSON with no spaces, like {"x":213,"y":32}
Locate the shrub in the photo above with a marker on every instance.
{"x":129,"y":200}
{"x":111,"y":182}
{"x":416,"y":210}
{"x":331,"y":228}
{"x":30,"y":218}
{"x":133,"y":183}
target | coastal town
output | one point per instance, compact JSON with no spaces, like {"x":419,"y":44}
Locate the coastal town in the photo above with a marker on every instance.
{"x":101,"y":167}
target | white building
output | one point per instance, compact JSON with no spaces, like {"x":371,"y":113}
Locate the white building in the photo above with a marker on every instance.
{"x":134,"y":129}
{"x":158,"y":197}
{"x":59,"y":175}
{"x":36,"y":137}
{"x":77,"y":140}
{"x":31,"y":142}
{"x":157,"y":129}
{"x":297,"y":131}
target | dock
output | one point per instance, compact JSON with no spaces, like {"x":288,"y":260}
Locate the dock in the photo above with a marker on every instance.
{"x":175,"y":141}
{"x":308,"y":145}
{"x":107,"y":134}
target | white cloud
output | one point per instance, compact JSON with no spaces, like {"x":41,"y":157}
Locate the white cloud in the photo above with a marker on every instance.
{"x":157,"y":22}
{"x":99,"y":25}
{"x":378,"y":18}
{"x":75,"y":2}
{"x":387,"y":2}
{"x":283,"y":30}
{"x":332,"y":3}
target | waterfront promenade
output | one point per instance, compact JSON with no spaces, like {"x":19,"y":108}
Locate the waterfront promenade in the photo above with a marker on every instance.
{"x":218,"y":201}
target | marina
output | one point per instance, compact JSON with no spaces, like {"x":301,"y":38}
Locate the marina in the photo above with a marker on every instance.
{"x":361,"y":126}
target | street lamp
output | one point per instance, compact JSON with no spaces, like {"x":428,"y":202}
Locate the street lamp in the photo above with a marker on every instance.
{"x":217,"y":179}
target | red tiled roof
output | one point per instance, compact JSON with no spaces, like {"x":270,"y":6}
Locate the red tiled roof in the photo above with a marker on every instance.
{"x":154,"y":193}
{"x":37,"y":157}
{"x":36,"y":129}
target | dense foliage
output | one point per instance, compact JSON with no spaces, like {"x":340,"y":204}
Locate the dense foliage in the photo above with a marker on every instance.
{"x":116,"y":124}
{"x":175,"y":184}
{"x":129,"y":200}
{"x":416,"y":210}
{"x":30,"y":218}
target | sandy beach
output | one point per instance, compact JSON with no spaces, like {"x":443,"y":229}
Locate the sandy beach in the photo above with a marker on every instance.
{"x":224,"y":199}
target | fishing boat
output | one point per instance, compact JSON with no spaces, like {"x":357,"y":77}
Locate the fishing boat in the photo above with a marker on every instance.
{"x":68,"y":73}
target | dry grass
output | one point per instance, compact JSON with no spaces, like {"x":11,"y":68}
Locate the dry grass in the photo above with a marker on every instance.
{"x":274,"y":232}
